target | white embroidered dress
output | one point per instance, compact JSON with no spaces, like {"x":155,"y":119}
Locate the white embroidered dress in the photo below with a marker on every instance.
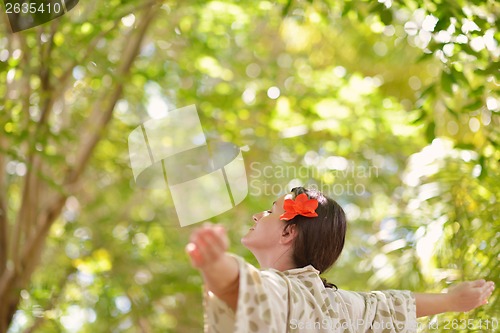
{"x":270,"y":301}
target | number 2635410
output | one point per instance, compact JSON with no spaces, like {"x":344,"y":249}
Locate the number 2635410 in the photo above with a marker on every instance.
{"x":33,"y":8}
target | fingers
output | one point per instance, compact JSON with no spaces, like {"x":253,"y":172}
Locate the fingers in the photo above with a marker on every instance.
{"x":213,"y":237}
{"x":207,"y":245}
{"x":210,"y":245}
{"x":487,"y":291}
{"x":194,"y":254}
{"x":471,"y":294}
{"x":482,"y":291}
{"x":478,"y":283}
{"x":487,"y":287}
{"x":219,"y":230}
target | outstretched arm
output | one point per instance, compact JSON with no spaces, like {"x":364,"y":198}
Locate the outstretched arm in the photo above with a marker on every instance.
{"x":463,"y":297}
{"x":207,"y":251}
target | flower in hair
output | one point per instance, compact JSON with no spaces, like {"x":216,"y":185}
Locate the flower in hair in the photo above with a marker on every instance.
{"x":302,"y":205}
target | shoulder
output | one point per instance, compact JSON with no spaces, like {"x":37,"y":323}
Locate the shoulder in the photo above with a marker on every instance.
{"x":251,"y":275}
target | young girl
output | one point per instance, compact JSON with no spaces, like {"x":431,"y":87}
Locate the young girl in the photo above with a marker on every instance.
{"x":299,"y":238}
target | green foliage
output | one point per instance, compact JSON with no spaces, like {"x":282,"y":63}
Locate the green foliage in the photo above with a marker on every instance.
{"x":389,"y":111}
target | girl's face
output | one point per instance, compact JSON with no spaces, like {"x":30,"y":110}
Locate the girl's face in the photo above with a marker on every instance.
{"x":266,"y":232}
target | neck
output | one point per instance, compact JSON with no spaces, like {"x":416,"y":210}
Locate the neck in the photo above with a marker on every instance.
{"x":279,"y":260}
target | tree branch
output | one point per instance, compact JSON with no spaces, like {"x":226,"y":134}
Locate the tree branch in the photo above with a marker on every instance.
{"x":103,"y":113}
{"x":92,"y":45}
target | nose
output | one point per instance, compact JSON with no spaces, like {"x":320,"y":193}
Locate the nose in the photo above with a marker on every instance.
{"x":256,"y":217}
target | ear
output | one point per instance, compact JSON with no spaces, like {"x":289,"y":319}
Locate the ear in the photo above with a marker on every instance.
{"x":288,"y":235}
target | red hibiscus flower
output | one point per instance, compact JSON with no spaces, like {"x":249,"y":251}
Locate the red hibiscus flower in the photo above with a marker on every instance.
{"x":302,"y":205}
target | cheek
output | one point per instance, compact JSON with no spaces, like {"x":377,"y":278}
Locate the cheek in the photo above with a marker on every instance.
{"x":274,"y":230}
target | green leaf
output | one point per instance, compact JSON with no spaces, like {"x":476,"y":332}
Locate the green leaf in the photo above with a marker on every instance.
{"x":447,"y":83}
{"x":484,"y":170}
{"x":465,"y":146}
{"x":286,"y":8}
{"x":425,"y":57}
{"x":478,"y":103}
{"x":430,"y":131}
{"x":429,"y":91}
{"x":386,"y":16}
{"x":459,"y":77}
{"x":420,"y":118}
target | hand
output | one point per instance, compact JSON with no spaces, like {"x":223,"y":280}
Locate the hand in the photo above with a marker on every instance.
{"x":207,"y":246}
{"x":469,"y":295}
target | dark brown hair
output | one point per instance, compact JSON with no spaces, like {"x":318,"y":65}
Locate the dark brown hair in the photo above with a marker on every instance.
{"x":320,"y":239}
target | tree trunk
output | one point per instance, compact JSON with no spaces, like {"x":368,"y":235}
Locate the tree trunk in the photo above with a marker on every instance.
{"x":33,"y":222}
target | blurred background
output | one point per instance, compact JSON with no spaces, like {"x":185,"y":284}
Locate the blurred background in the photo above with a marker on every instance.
{"x":390,"y":107}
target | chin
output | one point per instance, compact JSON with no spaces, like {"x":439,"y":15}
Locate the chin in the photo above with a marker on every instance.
{"x":244,"y":242}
